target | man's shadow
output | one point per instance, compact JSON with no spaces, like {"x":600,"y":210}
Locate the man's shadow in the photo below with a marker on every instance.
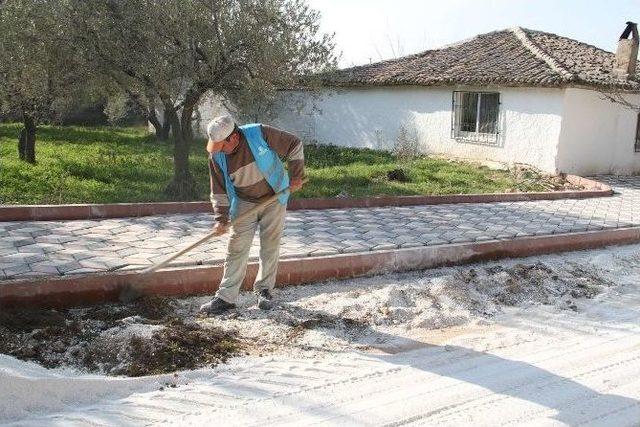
{"x":568,"y":398}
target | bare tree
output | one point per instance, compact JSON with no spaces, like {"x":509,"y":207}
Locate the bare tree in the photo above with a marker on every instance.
{"x":394,"y":47}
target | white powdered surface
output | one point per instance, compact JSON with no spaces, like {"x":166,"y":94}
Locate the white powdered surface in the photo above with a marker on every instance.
{"x":552,"y":340}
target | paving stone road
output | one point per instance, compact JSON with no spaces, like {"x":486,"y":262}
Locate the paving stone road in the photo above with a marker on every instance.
{"x":41,"y":248}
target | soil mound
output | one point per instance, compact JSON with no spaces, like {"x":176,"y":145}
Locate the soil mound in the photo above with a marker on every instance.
{"x":142,"y":338}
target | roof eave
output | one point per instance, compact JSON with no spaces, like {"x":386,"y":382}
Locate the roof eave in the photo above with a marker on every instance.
{"x":631,"y":87}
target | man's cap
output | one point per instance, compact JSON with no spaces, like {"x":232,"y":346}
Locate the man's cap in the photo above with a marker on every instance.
{"x":220,"y":128}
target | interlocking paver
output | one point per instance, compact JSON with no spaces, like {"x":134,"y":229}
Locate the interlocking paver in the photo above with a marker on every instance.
{"x":17,"y":270}
{"x":355,"y":248}
{"x":33,"y":249}
{"x":86,"y":246}
{"x":45,"y":267}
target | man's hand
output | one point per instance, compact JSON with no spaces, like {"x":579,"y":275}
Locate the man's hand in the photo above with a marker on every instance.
{"x":220,"y":228}
{"x":295,"y":184}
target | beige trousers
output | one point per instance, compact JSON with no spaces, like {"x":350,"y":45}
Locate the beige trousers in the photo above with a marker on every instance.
{"x":270,"y":221}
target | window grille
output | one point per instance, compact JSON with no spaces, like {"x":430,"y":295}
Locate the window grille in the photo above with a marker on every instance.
{"x":475,"y":117}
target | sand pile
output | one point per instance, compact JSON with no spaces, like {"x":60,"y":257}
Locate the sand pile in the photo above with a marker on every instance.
{"x":336,"y":315}
{"x":158,"y":335}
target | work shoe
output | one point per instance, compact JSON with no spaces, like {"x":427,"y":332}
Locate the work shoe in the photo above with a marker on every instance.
{"x":265,"y":300}
{"x":216,"y":306}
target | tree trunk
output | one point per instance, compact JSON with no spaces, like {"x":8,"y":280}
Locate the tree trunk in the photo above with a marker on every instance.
{"x":153,"y":119}
{"x":166,"y":128}
{"x":22,"y":142}
{"x":183,"y":185}
{"x":187,"y":115}
{"x":163,"y":128}
{"x":27,"y":140}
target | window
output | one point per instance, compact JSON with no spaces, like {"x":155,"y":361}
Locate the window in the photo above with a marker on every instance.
{"x":637,"y":144}
{"x":475,"y":116}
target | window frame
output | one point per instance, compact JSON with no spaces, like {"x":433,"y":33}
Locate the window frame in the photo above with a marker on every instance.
{"x":636,"y":144}
{"x":486,"y":138}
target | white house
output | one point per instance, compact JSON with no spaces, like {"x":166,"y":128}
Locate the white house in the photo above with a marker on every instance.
{"x":514,"y":96}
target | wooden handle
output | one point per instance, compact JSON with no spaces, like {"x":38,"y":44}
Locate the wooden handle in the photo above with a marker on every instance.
{"x":244,"y":215}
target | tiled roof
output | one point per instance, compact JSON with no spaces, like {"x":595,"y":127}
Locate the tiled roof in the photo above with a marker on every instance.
{"x":513,"y":57}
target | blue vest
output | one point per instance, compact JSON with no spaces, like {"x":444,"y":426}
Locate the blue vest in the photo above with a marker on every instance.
{"x":267,"y":161}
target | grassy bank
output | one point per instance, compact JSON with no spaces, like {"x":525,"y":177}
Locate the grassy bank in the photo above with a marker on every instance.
{"x":109,"y":165}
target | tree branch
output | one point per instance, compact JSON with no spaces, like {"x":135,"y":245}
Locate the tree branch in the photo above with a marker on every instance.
{"x":618,"y":97}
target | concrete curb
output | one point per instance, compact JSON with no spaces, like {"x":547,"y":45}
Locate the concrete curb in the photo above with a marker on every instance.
{"x":77,"y":290}
{"x":122,"y":210}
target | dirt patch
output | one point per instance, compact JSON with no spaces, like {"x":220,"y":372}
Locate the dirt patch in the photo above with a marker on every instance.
{"x":142,"y":338}
{"x":526,"y":284}
{"x":398,"y":175}
{"x":150,"y":308}
{"x":526,"y":178}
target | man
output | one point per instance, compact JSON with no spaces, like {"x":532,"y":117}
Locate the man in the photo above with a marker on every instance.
{"x":245,"y":169}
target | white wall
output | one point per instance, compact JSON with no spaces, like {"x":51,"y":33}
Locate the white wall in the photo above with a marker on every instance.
{"x":597,"y":135}
{"x":530,"y":122}
{"x":555,"y":130}
{"x":210,"y":106}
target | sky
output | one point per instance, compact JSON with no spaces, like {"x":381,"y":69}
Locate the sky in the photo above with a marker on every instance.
{"x":372,"y":30}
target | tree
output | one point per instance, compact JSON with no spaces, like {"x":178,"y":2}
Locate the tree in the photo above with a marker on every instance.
{"x":173,"y":52}
{"x":36,"y":67}
{"x":123,"y":99}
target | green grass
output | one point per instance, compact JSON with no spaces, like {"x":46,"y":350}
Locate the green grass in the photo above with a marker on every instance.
{"x":91,"y":165}
{"x":109,"y":165}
